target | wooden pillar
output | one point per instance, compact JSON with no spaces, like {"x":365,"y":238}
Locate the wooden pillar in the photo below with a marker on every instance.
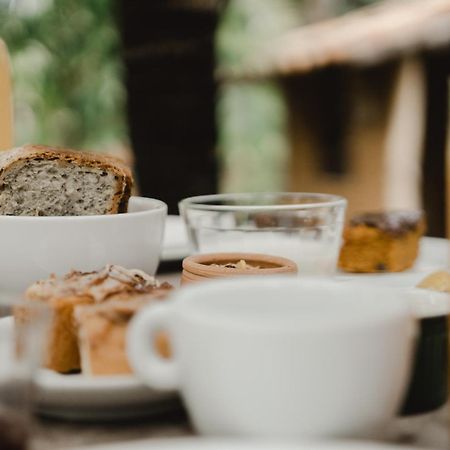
{"x":447,"y":180}
{"x":169,"y":60}
{"x":322,"y":100}
{"x":434,"y":159}
{"x":404,"y":138}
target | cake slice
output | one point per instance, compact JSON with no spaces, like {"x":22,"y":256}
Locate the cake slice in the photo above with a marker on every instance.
{"x":102,"y":332}
{"x":36,"y":180}
{"x":63,"y":295}
{"x":382,"y":241}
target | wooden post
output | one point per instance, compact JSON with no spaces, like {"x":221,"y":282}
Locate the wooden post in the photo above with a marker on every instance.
{"x":434,"y":163}
{"x":447,"y":181}
{"x":404,"y":140}
{"x":6,"y":110}
{"x":170,"y":63}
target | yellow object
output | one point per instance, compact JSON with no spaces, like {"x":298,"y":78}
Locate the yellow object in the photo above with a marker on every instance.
{"x":437,"y":281}
{"x":6,"y":110}
{"x":367,"y":249}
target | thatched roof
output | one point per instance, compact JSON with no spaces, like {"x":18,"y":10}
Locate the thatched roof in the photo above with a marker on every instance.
{"x":365,"y":36}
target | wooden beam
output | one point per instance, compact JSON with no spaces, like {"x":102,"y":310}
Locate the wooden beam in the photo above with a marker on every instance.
{"x":434,"y":162}
{"x":447,"y":179}
{"x":169,"y":59}
{"x":405,"y":134}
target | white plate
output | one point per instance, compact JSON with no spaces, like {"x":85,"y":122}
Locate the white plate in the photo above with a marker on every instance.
{"x":98,"y":398}
{"x":235,"y":444}
{"x":175,"y":241}
{"x":101,"y":398}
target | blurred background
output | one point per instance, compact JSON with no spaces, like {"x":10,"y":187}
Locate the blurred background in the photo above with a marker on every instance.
{"x":341,"y":96}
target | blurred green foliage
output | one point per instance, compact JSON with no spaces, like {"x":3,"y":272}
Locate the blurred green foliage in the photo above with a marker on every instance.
{"x":253,"y":141}
{"x":66,"y":72}
{"x":68,"y":82}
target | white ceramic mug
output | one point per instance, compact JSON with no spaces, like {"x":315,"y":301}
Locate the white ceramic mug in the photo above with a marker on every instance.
{"x":281,"y":356}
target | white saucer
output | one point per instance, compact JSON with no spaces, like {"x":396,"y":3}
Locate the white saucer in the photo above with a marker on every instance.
{"x":241,"y":444}
{"x":175,"y":241}
{"x":84,"y":397}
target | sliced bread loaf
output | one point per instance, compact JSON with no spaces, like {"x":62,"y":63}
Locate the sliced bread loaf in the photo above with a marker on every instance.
{"x":37,"y":180}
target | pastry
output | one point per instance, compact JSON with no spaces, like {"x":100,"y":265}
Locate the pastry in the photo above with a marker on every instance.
{"x":437,"y":281}
{"x":65,"y":294}
{"x":382,"y":241}
{"x":36,"y":180}
{"x":102,"y":331}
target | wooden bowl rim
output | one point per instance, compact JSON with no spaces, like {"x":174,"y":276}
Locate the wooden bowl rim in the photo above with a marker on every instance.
{"x":200,"y":264}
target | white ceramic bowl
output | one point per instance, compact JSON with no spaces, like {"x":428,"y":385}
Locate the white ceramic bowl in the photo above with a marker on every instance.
{"x":34,"y":247}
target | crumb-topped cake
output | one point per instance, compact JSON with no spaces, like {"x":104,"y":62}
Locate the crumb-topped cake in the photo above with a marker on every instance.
{"x":67,"y":296}
{"x":382,"y":241}
{"x":102,"y":330}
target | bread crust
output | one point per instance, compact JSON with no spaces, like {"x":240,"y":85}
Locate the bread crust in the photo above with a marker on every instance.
{"x":20,"y":155}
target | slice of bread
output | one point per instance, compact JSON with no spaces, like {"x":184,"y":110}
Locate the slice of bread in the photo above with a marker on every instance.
{"x":37,"y":180}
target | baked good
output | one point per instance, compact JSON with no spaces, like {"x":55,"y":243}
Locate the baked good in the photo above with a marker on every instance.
{"x":65,"y":294}
{"x":382,"y":241}
{"x":436,"y":281}
{"x":37,"y":180}
{"x":102,"y":331}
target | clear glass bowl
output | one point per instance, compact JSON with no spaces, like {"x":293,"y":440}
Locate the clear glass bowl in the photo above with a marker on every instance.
{"x":304,"y":227}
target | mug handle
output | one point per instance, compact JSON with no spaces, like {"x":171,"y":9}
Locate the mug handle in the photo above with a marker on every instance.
{"x":155,"y":371}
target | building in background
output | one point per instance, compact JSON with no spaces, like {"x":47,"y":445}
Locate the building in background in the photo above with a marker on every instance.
{"x":368,"y":95}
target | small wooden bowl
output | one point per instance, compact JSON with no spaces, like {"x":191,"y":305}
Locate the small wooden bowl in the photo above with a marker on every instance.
{"x":207,"y":266}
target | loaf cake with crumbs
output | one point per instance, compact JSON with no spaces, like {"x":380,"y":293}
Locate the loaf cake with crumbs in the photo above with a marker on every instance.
{"x":112,"y":287}
{"x":102,"y":332}
{"x":382,"y":241}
